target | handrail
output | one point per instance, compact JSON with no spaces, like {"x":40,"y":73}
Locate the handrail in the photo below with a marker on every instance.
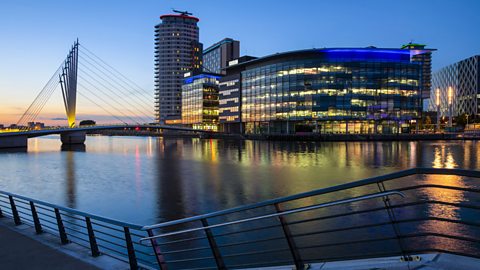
{"x":134,"y":240}
{"x":288,"y":212}
{"x":359,"y":183}
{"x":76,"y":212}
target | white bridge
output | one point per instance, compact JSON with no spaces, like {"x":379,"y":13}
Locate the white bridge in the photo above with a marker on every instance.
{"x":75,"y":135}
{"x":102,"y":85}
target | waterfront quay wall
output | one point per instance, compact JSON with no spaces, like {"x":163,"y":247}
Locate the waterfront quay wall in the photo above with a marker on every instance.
{"x":289,"y":137}
{"x":355,"y":137}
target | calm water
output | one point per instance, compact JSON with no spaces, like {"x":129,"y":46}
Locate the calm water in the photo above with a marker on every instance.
{"x":148,"y":180}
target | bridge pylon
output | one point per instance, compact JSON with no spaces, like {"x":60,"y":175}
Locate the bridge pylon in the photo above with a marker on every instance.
{"x":68,"y":82}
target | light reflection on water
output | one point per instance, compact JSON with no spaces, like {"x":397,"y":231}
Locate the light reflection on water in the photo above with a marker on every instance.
{"x":148,"y":180}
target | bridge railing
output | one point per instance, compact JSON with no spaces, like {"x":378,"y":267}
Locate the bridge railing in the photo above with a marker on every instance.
{"x":403,"y":213}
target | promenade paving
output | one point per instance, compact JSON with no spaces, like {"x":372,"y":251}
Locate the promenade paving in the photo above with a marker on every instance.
{"x":21,"y":248}
{"x":18,"y":251}
{"x":438,"y":261}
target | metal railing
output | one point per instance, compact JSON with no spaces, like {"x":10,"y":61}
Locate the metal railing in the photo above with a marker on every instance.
{"x":356,"y":220}
{"x":362,"y":219}
{"x":99,"y":234}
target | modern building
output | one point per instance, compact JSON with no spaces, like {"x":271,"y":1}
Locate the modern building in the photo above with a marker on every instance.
{"x":230,"y":95}
{"x":457,"y":87}
{"x":177,"y":50}
{"x":425,"y":60}
{"x":217,"y":56}
{"x":336,"y":90}
{"x":200,"y":101}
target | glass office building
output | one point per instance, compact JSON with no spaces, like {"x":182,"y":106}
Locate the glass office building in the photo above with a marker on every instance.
{"x":356,"y":91}
{"x":200,"y":101}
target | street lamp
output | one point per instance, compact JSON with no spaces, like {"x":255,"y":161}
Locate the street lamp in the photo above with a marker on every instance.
{"x":437,"y":102}
{"x":466,"y":126}
{"x":450,"y":101}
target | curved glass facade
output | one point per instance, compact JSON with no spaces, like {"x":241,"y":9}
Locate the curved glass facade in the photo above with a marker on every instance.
{"x":332,"y":91}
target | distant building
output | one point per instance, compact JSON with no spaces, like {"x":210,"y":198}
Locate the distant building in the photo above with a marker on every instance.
{"x":2,"y":126}
{"x":35,"y":125}
{"x":200,"y":101}
{"x":177,"y":50}
{"x":457,"y":84}
{"x":330,"y":90}
{"x":230,"y":98}
{"x":216,"y":57}
{"x":425,"y":60}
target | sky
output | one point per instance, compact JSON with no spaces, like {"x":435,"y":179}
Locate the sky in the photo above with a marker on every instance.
{"x":36,"y":35}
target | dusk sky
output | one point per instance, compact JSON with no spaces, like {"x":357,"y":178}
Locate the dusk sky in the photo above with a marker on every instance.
{"x":36,"y":35}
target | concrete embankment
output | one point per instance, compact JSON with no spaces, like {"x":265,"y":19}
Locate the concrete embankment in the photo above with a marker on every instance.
{"x":355,"y":137}
{"x":291,"y":137}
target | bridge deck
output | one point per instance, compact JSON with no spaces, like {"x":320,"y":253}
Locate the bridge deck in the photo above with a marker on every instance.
{"x":44,"y":132}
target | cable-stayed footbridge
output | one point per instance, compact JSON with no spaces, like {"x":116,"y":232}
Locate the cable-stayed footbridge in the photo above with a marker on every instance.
{"x":85,"y":75}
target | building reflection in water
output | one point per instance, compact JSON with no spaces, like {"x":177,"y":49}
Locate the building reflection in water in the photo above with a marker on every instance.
{"x":138,"y":173}
{"x":169,"y":190}
{"x":193,"y":176}
{"x":208,"y":175}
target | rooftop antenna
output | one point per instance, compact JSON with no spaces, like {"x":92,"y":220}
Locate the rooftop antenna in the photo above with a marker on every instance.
{"x":183,"y":13}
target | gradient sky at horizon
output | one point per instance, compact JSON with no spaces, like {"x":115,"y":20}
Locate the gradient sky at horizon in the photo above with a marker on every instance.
{"x":36,"y":35}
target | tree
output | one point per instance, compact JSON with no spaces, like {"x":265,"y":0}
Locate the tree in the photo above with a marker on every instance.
{"x":461,"y":120}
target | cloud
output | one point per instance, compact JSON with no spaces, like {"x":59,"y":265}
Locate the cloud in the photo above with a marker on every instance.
{"x":58,"y":119}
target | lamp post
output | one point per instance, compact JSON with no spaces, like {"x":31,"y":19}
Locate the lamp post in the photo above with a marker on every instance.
{"x":437,"y":102}
{"x":466,"y":126}
{"x":450,"y":101}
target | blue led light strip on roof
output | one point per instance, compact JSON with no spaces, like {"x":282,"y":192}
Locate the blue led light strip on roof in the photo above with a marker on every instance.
{"x":368,"y":54}
{"x":200,"y":76}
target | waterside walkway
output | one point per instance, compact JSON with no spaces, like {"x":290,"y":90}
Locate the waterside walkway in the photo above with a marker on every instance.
{"x":439,"y":261}
{"x":21,"y":248}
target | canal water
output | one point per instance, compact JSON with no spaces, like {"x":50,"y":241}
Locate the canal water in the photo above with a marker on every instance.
{"x":148,"y":180}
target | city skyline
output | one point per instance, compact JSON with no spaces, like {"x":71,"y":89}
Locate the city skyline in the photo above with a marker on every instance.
{"x":122,"y":35}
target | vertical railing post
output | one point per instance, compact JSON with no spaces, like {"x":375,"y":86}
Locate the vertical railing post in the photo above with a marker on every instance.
{"x":36,"y":220}
{"x":132,"y":258}
{"x":16,"y":216}
{"x":158,"y":252}
{"x":391,"y":216}
{"x":91,"y":238}
{"x":61,"y":228}
{"x":213,"y":245}
{"x":299,"y":264}
{"x":1,"y":214}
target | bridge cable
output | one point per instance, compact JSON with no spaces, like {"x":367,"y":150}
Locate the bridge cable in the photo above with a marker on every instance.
{"x":142,"y":91}
{"x":34,"y":107}
{"x":106,"y":102}
{"x":39,"y":102}
{"x":103,"y":108}
{"x":112,"y":99}
{"x":125,"y":86}
{"x":33,"y":115}
{"x":42,"y":102}
{"x":147,"y":112}
{"x":119,"y":110}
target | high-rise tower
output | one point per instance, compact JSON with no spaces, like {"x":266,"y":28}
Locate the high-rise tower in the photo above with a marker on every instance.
{"x":217,"y":56}
{"x":177,"y":50}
